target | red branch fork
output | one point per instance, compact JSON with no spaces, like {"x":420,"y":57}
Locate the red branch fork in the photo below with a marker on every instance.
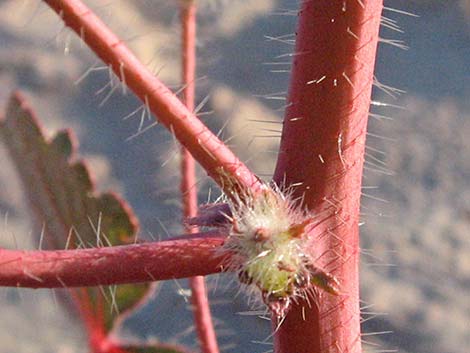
{"x":322,"y":151}
{"x":322,"y":154}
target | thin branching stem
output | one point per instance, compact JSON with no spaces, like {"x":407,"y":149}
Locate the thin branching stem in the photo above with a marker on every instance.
{"x":200,"y":304}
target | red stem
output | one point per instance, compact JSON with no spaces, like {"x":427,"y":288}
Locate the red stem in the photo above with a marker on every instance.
{"x":200,"y":304}
{"x":205,"y":147}
{"x":196,"y":255}
{"x":322,"y":149}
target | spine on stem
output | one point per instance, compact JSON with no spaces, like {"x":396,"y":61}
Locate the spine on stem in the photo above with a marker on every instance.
{"x":322,"y":153}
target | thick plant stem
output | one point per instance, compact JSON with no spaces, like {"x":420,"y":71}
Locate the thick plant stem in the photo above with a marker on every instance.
{"x":322,"y":153}
{"x":206,"y":148}
{"x":195,"y":255}
{"x":200,"y":304}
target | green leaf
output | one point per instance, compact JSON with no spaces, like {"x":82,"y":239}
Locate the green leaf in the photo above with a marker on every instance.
{"x":59,"y":189}
{"x":63,"y":200}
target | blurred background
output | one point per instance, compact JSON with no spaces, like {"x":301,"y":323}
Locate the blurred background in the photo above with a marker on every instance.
{"x":416,"y":211}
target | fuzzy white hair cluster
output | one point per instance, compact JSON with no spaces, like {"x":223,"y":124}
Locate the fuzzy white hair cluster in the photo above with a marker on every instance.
{"x":268,"y":243}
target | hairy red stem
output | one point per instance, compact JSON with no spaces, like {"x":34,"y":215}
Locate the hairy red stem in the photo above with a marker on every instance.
{"x":322,"y":151}
{"x":206,"y":148}
{"x":200,"y":304}
{"x":196,"y":255}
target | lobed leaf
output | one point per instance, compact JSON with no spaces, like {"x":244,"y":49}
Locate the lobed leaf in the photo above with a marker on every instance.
{"x":62,"y":197}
